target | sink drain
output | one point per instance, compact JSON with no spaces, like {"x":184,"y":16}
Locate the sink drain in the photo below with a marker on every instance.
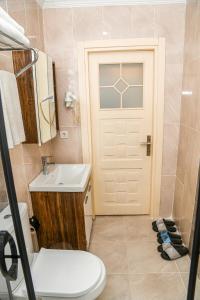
{"x":61,"y":183}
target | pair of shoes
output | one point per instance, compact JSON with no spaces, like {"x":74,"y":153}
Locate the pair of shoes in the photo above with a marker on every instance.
{"x":171,"y":247}
{"x":161,"y":225}
{"x":170,"y":251}
{"x":169,"y":237}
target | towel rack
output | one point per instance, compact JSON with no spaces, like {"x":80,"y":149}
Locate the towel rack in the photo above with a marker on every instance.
{"x":4,"y":46}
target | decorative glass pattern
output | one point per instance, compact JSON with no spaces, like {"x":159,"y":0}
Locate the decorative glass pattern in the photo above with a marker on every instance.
{"x":121,"y":85}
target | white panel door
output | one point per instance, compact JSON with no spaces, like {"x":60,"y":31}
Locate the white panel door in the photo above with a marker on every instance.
{"x":121,"y":97}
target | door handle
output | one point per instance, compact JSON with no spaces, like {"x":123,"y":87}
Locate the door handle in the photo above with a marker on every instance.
{"x":11,"y":273}
{"x":148,"y":144}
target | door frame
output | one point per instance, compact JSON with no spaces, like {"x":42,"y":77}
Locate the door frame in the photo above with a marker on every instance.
{"x":157,"y":45}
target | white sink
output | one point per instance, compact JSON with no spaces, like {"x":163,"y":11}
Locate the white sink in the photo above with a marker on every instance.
{"x":62,"y":178}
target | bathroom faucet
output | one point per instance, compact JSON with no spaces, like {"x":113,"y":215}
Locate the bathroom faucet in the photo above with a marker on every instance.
{"x":45,"y":164}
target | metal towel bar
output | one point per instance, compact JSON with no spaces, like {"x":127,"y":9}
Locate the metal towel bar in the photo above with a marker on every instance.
{"x":5,"y":46}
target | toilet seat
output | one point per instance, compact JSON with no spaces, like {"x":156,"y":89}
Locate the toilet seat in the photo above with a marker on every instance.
{"x":66,"y":274}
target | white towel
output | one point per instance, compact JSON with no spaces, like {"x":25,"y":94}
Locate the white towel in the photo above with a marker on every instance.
{"x":11,"y":109}
{"x":12,"y":32}
{"x":6,"y":17}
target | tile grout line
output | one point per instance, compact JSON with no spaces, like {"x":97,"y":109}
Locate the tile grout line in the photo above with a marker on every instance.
{"x":182,"y":281}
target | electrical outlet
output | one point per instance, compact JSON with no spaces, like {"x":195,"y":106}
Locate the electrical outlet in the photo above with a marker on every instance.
{"x":64,"y":134}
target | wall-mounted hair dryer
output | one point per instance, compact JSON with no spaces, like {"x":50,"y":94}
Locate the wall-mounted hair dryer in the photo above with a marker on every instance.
{"x":69,"y":100}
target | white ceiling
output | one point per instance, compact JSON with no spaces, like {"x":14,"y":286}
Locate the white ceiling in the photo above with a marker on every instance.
{"x":85,"y":3}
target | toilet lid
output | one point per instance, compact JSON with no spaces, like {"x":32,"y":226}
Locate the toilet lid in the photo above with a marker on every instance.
{"x":65,"y":273}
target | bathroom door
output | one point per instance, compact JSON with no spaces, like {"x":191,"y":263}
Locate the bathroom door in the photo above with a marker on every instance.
{"x":121,"y":97}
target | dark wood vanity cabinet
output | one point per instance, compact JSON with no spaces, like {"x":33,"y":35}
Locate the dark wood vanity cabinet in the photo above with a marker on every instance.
{"x":63,"y":219}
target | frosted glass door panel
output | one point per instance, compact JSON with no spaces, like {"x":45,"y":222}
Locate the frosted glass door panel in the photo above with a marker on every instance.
{"x":109,"y":98}
{"x":121,"y":85}
{"x":109,"y":74}
{"x":133,"y":73}
{"x":133,"y":97}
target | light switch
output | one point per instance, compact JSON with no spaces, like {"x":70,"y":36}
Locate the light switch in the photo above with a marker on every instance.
{"x":64,"y":134}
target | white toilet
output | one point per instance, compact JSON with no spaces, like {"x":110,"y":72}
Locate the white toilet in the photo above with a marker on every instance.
{"x":57,"y":274}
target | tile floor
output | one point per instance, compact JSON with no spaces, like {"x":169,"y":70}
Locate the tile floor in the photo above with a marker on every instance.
{"x":128,"y":247}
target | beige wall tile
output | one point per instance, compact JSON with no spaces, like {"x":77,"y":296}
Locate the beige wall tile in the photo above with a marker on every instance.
{"x":192,"y":30}
{"x":189,"y":144}
{"x":6,"y":62}
{"x":46,"y":149}
{"x":32,"y":170}
{"x":16,"y":156}
{"x":32,"y":21}
{"x":141,"y":16}
{"x":58,"y":30}
{"x":87,"y":23}
{"x":31,"y":153}
{"x":116,"y":21}
{"x":170,"y":20}
{"x":183,"y":153}
{"x":16,"y":8}
{"x":41,"y":29}
{"x":173,"y":90}
{"x":167,"y":195}
{"x":34,"y":24}
{"x":178,"y":202}
{"x":62,"y":78}
{"x":68,"y":150}
{"x":170,"y":149}
{"x":190,"y":186}
{"x":189,"y":103}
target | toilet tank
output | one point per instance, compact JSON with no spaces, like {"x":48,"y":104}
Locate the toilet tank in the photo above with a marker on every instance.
{"x":6,"y":223}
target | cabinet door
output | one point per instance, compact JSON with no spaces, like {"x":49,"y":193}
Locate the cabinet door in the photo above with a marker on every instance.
{"x":88,"y":214}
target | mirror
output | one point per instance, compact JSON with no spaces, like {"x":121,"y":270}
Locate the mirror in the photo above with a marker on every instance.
{"x":45,"y":98}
